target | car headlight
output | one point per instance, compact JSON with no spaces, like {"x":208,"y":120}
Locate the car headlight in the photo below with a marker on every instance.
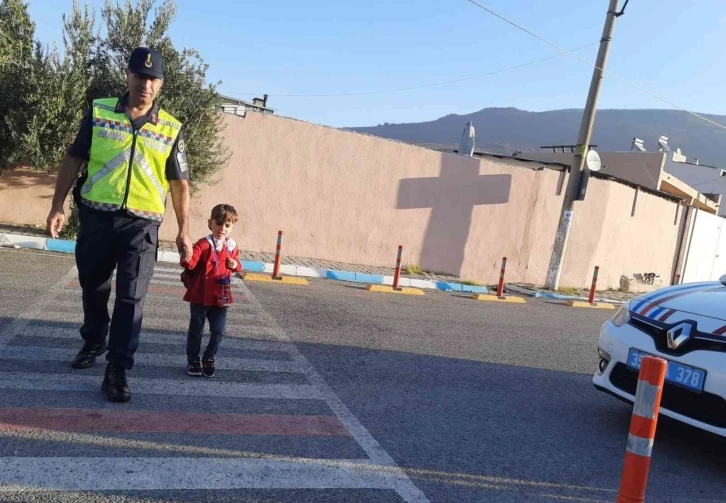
{"x":622,"y":315}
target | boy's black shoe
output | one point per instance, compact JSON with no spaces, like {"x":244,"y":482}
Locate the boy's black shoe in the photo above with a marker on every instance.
{"x":86,"y":357}
{"x":114,"y":383}
{"x":208,"y":367}
{"x":194,"y":368}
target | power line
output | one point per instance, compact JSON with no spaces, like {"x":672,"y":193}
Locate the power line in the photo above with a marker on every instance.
{"x":399,"y":89}
{"x":592,"y":65}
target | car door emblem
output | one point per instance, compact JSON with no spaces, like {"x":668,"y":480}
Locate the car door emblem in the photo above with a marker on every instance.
{"x":678,"y":335}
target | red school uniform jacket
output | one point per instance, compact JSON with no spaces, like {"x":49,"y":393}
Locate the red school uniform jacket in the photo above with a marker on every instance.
{"x":206,"y":268}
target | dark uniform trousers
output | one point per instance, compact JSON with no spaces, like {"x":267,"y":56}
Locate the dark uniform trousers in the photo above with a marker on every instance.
{"x":108,"y":241}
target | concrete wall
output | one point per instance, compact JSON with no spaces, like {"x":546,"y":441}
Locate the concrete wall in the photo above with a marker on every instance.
{"x":353,"y":198}
{"x":634,"y":232}
{"x":25,"y":196}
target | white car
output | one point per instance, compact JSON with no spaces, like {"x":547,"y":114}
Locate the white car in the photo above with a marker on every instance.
{"x":685,"y":325}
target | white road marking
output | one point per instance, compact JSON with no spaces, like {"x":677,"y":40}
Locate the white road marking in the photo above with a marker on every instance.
{"x":70,"y":308}
{"x":73,"y":297}
{"x":168,"y":281}
{"x":230,"y":341}
{"x":406,"y":488}
{"x":168,"y":270}
{"x":153,"y":359}
{"x":27,"y":474}
{"x":166,"y":387}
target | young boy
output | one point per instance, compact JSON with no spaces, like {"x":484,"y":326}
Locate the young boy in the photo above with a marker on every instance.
{"x":207,"y":279}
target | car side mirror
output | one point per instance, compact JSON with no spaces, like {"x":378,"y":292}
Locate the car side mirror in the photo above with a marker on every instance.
{"x":722,"y":280}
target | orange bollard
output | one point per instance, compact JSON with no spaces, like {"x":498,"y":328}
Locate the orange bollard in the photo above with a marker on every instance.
{"x":642,"y":430}
{"x":591,"y":299}
{"x":500,"y":286}
{"x":276,"y":268}
{"x":397,"y":273}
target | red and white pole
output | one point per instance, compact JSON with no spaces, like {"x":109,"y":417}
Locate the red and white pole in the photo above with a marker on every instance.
{"x":642,"y":430}
{"x":591,"y":299}
{"x":276,"y":269}
{"x":397,"y":273}
{"x":500,"y":286}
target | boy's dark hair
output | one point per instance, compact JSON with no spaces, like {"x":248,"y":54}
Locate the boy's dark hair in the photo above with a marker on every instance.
{"x":223,"y":213}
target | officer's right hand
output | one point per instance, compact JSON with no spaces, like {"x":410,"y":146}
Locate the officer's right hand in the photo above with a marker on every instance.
{"x":54,"y":223}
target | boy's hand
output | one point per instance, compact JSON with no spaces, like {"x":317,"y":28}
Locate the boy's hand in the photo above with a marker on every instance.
{"x":231,"y":264}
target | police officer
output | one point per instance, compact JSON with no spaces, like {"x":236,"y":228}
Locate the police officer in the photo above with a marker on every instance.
{"x":134,"y":155}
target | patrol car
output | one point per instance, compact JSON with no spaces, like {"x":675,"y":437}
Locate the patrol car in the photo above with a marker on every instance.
{"x":685,"y":325}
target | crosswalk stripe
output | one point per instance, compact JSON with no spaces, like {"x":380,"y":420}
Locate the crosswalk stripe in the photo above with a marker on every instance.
{"x":162,"y":274}
{"x":163,"y":282}
{"x":72,"y":298}
{"x":26,"y":353}
{"x":29,"y":474}
{"x":176,"y":290}
{"x":230,"y":341}
{"x":142,"y":385}
{"x":168,"y":270}
{"x":233,"y":329}
{"x":160,"y":446}
{"x":196,"y":423}
{"x":234,"y":314}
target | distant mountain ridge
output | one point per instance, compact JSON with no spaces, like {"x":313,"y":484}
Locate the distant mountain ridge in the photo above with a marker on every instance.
{"x":504,"y":130}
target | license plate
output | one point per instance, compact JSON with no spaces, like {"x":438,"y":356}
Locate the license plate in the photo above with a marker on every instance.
{"x":677,"y":373}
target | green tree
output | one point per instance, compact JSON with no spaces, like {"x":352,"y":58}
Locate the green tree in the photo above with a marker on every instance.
{"x":17,"y":46}
{"x":186,"y":94}
{"x":79,"y":41}
{"x":43,"y":96}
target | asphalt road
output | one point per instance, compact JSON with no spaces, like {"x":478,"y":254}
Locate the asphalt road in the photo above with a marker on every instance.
{"x":324,"y":393}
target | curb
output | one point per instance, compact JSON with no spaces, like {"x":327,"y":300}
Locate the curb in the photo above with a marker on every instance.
{"x":587,"y":305}
{"x":66,"y":246}
{"x":504,"y":299}
{"x":556,"y":296}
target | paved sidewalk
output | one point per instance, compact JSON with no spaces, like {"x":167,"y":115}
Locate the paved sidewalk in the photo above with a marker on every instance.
{"x":270,"y":257}
{"x":328,"y":264}
{"x":584,"y":292}
{"x":342,"y":266}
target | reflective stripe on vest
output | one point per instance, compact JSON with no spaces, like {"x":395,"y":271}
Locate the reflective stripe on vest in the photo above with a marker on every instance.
{"x":122,"y":158}
{"x":120,"y":161}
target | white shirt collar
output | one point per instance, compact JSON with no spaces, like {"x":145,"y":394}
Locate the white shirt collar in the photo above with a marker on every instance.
{"x":231,"y":245}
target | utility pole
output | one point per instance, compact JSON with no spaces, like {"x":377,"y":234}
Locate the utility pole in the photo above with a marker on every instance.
{"x":583,"y":141}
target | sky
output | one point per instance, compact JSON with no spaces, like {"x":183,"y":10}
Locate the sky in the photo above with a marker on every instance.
{"x":672,"y":48}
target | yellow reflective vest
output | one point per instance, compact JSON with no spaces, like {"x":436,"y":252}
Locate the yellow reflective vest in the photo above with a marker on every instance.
{"x":127,"y":169}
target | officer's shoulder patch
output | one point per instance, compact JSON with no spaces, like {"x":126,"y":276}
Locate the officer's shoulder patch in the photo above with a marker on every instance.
{"x":181,"y":146}
{"x":181,"y":158}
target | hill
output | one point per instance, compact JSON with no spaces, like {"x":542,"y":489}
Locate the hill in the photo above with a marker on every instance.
{"x":504,"y":130}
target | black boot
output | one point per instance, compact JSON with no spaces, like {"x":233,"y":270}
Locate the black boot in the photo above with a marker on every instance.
{"x":114,"y":383}
{"x":86,"y":357}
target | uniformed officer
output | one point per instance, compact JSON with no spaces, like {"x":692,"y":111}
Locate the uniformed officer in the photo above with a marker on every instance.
{"x":134,"y":154}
